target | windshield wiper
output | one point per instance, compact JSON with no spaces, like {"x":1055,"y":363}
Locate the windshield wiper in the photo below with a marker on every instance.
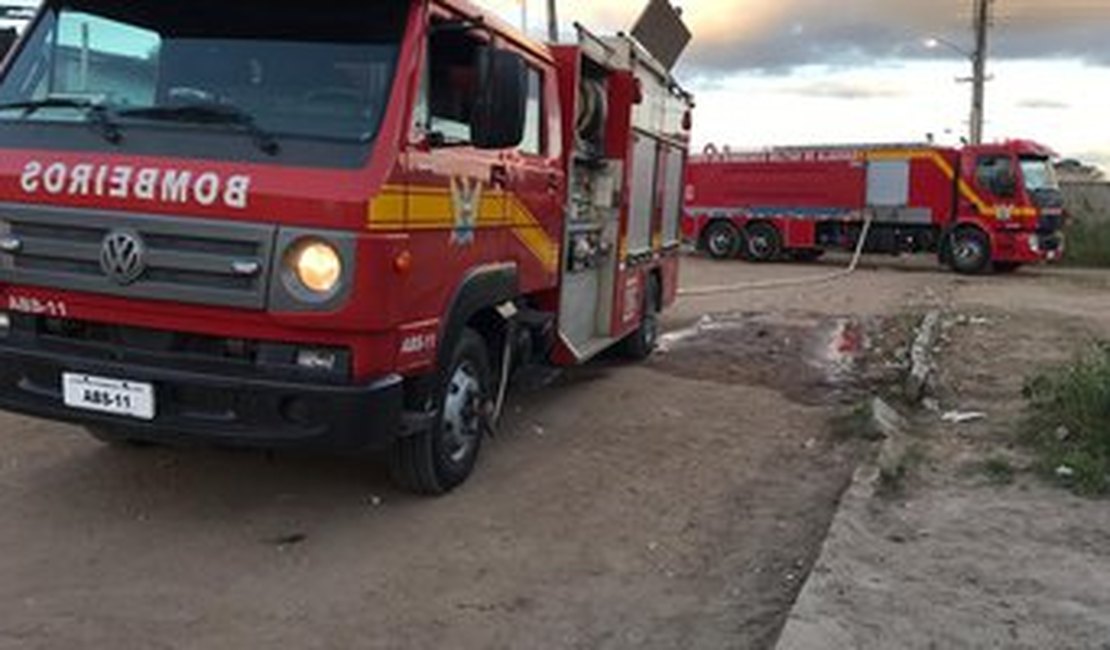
{"x":96,"y":113}
{"x":209,"y":114}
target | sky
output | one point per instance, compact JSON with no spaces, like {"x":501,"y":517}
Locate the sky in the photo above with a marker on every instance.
{"x":796,"y":72}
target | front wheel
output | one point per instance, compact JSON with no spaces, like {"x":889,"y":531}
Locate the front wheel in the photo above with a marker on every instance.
{"x":969,"y":251}
{"x":441,"y":458}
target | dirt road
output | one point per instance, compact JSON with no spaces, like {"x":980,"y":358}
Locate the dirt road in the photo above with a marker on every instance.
{"x":675,"y":505}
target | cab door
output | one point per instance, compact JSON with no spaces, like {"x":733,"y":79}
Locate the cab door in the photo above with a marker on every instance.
{"x":534,"y":205}
{"x":456,"y":204}
{"x":996,"y":180}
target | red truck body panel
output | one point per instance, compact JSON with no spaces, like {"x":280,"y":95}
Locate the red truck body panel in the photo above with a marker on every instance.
{"x":422,"y":220}
{"x":810,"y":194}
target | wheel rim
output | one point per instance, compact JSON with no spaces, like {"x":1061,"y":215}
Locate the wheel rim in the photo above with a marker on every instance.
{"x":720,"y":242}
{"x":759,"y":245}
{"x":967,"y":251}
{"x":462,"y":419}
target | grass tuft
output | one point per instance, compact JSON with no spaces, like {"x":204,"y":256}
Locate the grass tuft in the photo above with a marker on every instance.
{"x":1068,"y":421}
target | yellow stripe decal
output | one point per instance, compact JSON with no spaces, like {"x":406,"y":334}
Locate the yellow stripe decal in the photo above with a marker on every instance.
{"x":430,"y":208}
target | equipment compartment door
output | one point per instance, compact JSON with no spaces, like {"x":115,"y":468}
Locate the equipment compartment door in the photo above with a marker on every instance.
{"x":642,"y":194}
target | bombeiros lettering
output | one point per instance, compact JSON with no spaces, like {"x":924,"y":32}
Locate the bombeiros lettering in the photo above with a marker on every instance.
{"x":206,"y":188}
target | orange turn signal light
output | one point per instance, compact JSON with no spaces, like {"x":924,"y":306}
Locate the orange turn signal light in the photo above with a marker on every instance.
{"x":403,"y":262}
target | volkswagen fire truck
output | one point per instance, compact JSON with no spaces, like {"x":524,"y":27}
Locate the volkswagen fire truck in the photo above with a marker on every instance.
{"x":253,"y":224}
{"x":980,"y":207}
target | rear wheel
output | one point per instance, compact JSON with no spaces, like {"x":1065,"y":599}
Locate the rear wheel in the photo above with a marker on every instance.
{"x":969,"y":251}
{"x":642,"y":343}
{"x":762,"y":243}
{"x":722,"y":240}
{"x":442,"y":458}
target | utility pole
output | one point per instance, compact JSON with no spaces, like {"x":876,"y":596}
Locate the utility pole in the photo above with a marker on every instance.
{"x":979,"y":73}
{"x":552,"y":22}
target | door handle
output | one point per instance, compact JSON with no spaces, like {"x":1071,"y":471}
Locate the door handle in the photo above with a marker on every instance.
{"x":553,"y":182}
{"x":499,"y":176}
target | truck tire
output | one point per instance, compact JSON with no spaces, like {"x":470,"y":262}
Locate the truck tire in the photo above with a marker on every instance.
{"x":969,"y":251}
{"x":762,"y":243}
{"x":441,"y":458}
{"x":642,"y":343}
{"x":722,"y":240}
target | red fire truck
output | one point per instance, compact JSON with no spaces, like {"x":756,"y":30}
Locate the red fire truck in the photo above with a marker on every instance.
{"x":258,"y":224}
{"x":979,"y":207}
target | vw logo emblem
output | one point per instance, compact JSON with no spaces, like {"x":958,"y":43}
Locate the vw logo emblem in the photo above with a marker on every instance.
{"x":123,"y":256}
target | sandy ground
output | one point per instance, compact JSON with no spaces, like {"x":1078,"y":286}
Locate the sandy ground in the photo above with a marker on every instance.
{"x":678,"y":504}
{"x":955,"y":560}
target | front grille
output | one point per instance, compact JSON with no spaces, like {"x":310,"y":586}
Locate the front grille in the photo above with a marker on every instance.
{"x":186,"y":260}
{"x":1050,"y":223}
{"x":202,"y":353}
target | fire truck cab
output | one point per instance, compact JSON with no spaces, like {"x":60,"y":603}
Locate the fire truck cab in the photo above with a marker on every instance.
{"x":980,"y":207}
{"x":253,"y":224}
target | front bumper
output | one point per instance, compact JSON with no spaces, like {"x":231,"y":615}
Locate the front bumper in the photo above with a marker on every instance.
{"x":211,"y":408}
{"x":1025,"y":247}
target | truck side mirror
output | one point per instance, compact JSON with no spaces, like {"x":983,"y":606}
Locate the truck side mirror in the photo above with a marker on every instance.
{"x":498,"y":118}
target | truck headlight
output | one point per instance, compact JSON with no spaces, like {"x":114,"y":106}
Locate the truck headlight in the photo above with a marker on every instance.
{"x":316,"y":264}
{"x":5,"y":324}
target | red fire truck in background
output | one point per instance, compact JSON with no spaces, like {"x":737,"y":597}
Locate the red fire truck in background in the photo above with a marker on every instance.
{"x":992,"y":206}
{"x":251,"y":224}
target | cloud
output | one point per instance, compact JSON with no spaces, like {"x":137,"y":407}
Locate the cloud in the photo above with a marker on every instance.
{"x":1043,"y":104}
{"x":845,"y":90}
{"x":758,"y":34}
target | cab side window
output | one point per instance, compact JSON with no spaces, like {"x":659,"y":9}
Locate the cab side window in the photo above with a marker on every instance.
{"x":451,"y":84}
{"x":994,"y":173}
{"x":533,"y":115}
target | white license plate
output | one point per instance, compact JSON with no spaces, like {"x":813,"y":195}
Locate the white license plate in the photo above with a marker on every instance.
{"x":127,"y":398}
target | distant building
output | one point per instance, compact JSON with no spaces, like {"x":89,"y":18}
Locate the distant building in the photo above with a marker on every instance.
{"x":1086,"y":190}
{"x":1071,"y":170}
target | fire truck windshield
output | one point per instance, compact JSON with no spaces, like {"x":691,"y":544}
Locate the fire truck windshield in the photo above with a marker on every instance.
{"x":320,"y":71}
{"x":1039,"y":174}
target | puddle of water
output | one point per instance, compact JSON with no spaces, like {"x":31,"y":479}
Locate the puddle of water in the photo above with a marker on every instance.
{"x":810,"y":358}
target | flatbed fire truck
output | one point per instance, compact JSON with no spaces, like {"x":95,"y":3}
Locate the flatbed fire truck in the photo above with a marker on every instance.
{"x":252,"y":224}
{"x":980,"y":207}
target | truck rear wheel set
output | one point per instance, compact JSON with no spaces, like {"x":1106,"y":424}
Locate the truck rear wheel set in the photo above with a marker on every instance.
{"x":757,"y":242}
